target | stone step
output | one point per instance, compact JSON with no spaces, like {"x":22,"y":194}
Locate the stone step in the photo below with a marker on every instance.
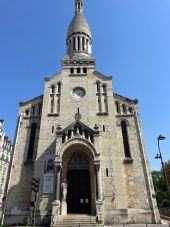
{"x":76,"y":221}
{"x":75,"y":225}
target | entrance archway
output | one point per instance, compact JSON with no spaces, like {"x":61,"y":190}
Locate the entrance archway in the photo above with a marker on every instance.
{"x":79,"y":184}
{"x":78,"y":169}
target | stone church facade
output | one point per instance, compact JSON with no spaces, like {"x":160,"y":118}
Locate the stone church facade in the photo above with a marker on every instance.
{"x":83,"y":143}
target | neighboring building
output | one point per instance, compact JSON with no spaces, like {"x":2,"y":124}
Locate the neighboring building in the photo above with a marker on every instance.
{"x":5,"y":156}
{"x":85,"y":145}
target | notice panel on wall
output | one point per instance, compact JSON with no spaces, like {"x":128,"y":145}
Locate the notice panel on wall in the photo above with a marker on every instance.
{"x":48,"y":185}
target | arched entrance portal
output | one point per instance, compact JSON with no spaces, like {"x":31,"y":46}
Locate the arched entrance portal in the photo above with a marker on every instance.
{"x":79,"y":184}
{"x":79,"y":172}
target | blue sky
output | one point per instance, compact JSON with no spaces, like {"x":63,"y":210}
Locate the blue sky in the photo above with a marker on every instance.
{"x":131,"y":42}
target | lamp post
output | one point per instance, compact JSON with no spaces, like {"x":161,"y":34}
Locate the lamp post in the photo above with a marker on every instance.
{"x":159,"y":156}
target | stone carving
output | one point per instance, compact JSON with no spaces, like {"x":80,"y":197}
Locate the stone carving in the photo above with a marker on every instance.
{"x":64,"y":190}
{"x":64,"y":196}
{"x":78,"y":160}
{"x":78,"y":116}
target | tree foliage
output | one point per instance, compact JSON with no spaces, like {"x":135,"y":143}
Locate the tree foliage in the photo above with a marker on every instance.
{"x":160,"y":185}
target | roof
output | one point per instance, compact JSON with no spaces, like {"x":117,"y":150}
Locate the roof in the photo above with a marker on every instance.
{"x":134,"y":101}
{"x":79,"y":24}
{"x":31,"y":100}
{"x":101,"y":76}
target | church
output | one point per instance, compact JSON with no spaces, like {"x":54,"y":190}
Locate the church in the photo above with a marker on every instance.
{"x":83,"y":146}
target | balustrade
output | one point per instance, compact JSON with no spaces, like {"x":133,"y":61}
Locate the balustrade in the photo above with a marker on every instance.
{"x":77,"y":132}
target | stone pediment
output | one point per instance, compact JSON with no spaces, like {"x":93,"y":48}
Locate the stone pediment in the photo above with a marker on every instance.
{"x":77,"y":127}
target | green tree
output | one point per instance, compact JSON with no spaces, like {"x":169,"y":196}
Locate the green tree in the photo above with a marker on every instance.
{"x":167,"y":168}
{"x":160,"y":187}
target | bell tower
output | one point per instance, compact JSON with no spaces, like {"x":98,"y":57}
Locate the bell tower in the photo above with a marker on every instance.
{"x":79,"y":40}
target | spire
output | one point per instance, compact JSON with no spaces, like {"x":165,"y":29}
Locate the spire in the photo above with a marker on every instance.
{"x":78,"y":6}
{"x":79,"y":38}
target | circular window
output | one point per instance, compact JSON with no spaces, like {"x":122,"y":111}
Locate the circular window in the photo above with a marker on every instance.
{"x":78,"y":93}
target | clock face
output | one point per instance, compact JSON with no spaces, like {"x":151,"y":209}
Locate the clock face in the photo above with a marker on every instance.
{"x":78,"y":93}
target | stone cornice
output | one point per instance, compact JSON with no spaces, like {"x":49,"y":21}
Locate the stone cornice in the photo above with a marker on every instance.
{"x":31,"y":100}
{"x":125,"y":99}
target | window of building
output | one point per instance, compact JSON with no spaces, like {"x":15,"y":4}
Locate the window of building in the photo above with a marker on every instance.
{"x":52,"y":89}
{"x":117,"y":107}
{"x":33,"y":110}
{"x":31,"y":141}
{"x":74,"y":43}
{"x":125,"y":139}
{"x":52,"y":129}
{"x":39,"y":108}
{"x":78,"y":42}
{"x":69,"y":45}
{"x":83,"y":42}
{"x":105,"y":104}
{"x":107,"y":172}
{"x":104,"y":88}
{"x":130,"y":110}
{"x":84,"y":70}
{"x":72,"y":70}
{"x":58,"y":105}
{"x":59,"y":88}
{"x":99,"y":105}
{"x":98,"y":87}
{"x":103,"y":128}
{"x":124,"y":108}
{"x":27,"y":112}
{"x":52,"y":104}
{"x":78,"y":70}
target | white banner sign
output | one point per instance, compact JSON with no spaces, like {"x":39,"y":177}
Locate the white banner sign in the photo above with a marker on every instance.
{"x":48,"y":185}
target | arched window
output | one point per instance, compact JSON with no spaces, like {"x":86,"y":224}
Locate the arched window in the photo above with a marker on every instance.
{"x":105,"y":104}
{"x":33,"y":110}
{"x":124,"y":108}
{"x":87,"y":45}
{"x":78,"y":42}
{"x":99,"y":105}
{"x":107,"y":172}
{"x":52,"y":89}
{"x":52,"y":104}
{"x":83,"y":42}
{"x":39,"y":108}
{"x":72,"y":70}
{"x":69,"y":45}
{"x":63,"y":138}
{"x":104,"y":88}
{"x":74,"y":43}
{"x":78,"y":70}
{"x":117,"y":106}
{"x":84,"y":70}
{"x":31,"y":141}
{"x":125,"y":139}
{"x":58,"y":105}
{"x":27,"y":112}
{"x":131,"y":110}
{"x":98,"y":87}
{"x":59,"y":88}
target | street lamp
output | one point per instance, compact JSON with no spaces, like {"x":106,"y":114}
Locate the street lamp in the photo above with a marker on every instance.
{"x":159,"y":156}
